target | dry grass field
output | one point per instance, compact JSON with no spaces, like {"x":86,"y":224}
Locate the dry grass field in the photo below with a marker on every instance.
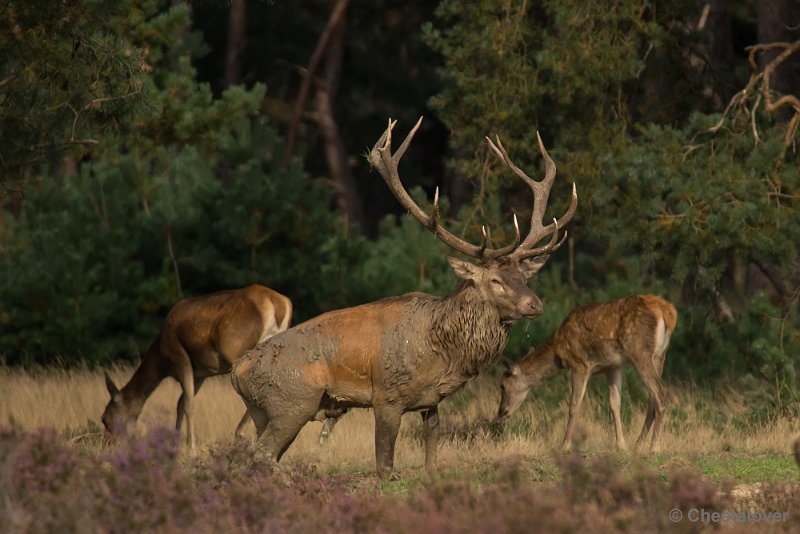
{"x":712,"y":432}
{"x":719,"y":455}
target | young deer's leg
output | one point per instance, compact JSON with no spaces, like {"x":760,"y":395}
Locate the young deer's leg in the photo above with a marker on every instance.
{"x":655,"y":410}
{"x":615,"y":400}
{"x":430,"y":420}
{"x":579,"y":380}
{"x":387,"y":424}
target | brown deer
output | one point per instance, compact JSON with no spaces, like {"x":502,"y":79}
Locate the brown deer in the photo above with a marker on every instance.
{"x":600,"y":338}
{"x":403,"y":353}
{"x":201,"y":337}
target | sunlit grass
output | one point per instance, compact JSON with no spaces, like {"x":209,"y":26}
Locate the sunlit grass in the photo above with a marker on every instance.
{"x":708,"y":431}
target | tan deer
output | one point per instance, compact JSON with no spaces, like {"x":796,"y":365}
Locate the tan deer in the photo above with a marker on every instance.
{"x":403,"y":353}
{"x":201,"y":337}
{"x":600,"y":338}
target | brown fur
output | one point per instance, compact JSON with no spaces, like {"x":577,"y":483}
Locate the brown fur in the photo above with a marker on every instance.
{"x":601,"y":338}
{"x":403,"y":353}
{"x":396,"y":355}
{"x":201,"y":337}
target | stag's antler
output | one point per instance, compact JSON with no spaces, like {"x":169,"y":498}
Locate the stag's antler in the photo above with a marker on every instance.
{"x":381,"y":158}
{"x":541,"y":192}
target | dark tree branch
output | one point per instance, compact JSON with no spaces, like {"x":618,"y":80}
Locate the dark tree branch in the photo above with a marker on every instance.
{"x":291,"y":135}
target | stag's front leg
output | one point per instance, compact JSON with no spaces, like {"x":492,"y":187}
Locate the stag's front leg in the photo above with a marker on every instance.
{"x":430,"y":420}
{"x":579,"y":380}
{"x":387,"y":424}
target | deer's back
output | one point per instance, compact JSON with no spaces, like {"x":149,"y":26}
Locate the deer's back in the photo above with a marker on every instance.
{"x":347,"y":352}
{"x":215,"y":330}
{"x":614,"y":330}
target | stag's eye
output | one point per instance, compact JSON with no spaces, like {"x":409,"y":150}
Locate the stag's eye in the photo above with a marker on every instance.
{"x":497,"y":282}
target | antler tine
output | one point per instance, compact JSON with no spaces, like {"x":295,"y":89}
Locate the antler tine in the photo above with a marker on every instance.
{"x":406,"y":141}
{"x":553,"y":245}
{"x":496,"y":253}
{"x":541,"y":193}
{"x":386,"y":138}
{"x":385,"y":163}
{"x":485,"y":241}
{"x":500,"y":151}
{"x":435,"y":216}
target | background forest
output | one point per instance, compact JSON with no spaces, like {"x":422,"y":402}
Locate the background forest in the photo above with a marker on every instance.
{"x":155,"y":149}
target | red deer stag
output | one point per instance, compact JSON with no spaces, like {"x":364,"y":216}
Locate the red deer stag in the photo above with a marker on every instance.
{"x":201,"y":337}
{"x":600,"y":338}
{"x":403,"y":353}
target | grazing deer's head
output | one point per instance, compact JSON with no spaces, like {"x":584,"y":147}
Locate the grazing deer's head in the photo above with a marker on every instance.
{"x":116,"y":417}
{"x":514,"y":387}
{"x":501,"y":275}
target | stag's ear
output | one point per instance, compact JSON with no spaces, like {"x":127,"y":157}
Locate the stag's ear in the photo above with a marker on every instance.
{"x":532,"y":266}
{"x":111,"y":386}
{"x":464,"y":269}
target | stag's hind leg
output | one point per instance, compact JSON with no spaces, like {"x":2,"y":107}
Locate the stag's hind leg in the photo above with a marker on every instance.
{"x":279,"y":433}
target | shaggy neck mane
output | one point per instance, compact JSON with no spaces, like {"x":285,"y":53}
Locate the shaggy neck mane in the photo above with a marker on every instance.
{"x":468,"y":331}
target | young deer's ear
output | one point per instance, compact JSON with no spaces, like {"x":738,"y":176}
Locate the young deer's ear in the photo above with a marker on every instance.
{"x":532,"y":266}
{"x":510,"y":366}
{"x":464,"y":269}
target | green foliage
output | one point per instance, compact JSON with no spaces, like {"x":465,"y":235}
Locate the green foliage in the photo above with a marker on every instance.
{"x":94,"y":261}
{"x":67,"y":81}
{"x":188,"y":201}
{"x":665,"y":206}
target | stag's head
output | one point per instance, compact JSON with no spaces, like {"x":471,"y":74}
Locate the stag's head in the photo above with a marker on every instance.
{"x":116,"y":417}
{"x":501,"y":274}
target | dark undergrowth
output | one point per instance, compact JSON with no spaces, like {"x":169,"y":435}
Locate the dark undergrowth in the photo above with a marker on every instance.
{"x":48,"y":484}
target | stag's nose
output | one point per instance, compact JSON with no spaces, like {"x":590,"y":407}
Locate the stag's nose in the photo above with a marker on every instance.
{"x":534,"y":308}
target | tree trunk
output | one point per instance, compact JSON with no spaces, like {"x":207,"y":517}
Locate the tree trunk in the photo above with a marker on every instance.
{"x":236,"y":42}
{"x":347,"y":198}
{"x":337,"y":13}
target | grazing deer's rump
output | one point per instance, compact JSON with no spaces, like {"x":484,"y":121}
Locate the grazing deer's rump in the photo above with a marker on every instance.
{"x":201,"y":337}
{"x":403,"y":353}
{"x":600,"y":338}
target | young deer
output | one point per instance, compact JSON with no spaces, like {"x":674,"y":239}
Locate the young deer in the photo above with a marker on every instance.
{"x":600,"y":338}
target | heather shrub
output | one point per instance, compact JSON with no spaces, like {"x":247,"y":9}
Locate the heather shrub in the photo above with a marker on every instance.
{"x":47,"y":484}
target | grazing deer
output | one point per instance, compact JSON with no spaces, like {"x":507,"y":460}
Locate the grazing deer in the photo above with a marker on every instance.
{"x":201,"y":337}
{"x":403,"y":353}
{"x":600,"y":338}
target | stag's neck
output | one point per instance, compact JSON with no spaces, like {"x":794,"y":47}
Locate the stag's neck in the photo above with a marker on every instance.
{"x":144,"y":381}
{"x":541,"y":362}
{"x":468,"y":331}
